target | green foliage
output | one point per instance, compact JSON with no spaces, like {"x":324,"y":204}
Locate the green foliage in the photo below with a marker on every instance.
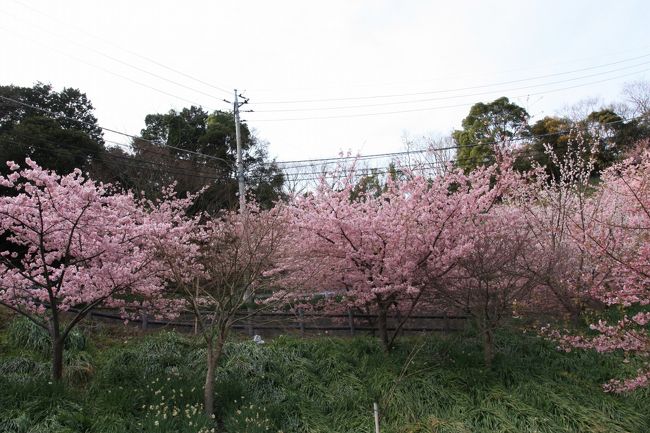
{"x":373,"y":183}
{"x":137,"y":362}
{"x":172,"y":407}
{"x":485,"y":125}
{"x":615,"y":136}
{"x":612,"y":136}
{"x":78,"y":367}
{"x":63,"y":137}
{"x":23,"y":368}
{"x":35,"y":405}
{"x":195,"y":130}
{"x":248,"y":418}
{"x":25,"y":334}
{"x":5,"y":317}
{"x":330,"y":385}
{"x":554,"y":132}
{"x":426,"y":384}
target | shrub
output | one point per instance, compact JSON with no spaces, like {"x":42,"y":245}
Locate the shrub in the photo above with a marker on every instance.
{"x":25,"y":334}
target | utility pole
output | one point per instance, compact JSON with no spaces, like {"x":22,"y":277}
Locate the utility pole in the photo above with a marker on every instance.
{"x":240,"y":163}
{"x":248,"y":296}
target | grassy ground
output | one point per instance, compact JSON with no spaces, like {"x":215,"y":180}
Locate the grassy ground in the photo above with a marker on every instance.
{"x":125,"y":383}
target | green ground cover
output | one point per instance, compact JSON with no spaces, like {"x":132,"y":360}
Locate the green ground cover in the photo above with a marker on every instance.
{"x":152,"y":383}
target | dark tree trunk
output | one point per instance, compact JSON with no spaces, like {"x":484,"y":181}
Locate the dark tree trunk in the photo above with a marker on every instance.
{"x":57,"y":358}
{"x":208,"y":388}
{"x":214,"y":354}
{"x":57,"y":347}
{"x":576,"y":316}
{"x":382,"y":324}
{"x":488,"y":347}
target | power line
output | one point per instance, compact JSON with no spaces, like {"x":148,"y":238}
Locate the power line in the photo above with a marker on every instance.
{"x":332,"y":160}
{"x":413,"y":101}
{"x":417,"y":166}
{"x":354,"y":98}
{"x":383,"y":171}
{"x":134,"y":162}
{"x":130,"y":148}
{"x":59,"y":149}
{"x":129,"y":161}
{"x":55,"y":115}
{"x":153,"y":61}
{"x":395,"y":95}
{"x":343,"y":116}
{"x":111,"y":72}
{"x":535,"y":68}
{"x":131,"y":157}
{"x":150,"y":151}
{"x":137,"y":68}
{"x":308,"y":162}
{"x":420,"y":165}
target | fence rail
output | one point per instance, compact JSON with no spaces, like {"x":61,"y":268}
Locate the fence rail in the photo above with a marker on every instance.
{"x":269,"y":324}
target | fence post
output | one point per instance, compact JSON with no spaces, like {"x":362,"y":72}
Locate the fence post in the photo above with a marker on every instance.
{"x":351,"y":322}
{"x":301,"y":321}
{"x":145,"y":321}
{"x":249,"y":311}
{"x":447,"y":325}
{"x":375,"y":410}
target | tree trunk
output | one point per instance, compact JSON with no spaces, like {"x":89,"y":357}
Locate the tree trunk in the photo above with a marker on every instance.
{"x":382,"y":324}
{"x":488,"y":347}
{"x":57,"y":358}
{"x":576,"y":316}
{"x":214,"y":354}
{"x":57,"y":347}
{"x":570,"y":305}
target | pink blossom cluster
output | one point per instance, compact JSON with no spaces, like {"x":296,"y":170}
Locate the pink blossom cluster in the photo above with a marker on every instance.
{"x":619,"y":241}
{"x":73,"y":245}
{"x":491,"y":244}
{"x":388,"y":252}
{"x":608,"y":229}
{"x":78,"y":243}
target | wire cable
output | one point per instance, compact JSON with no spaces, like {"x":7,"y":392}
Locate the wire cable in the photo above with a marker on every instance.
{"x":56,"y":115}
{"x":332,"y":160}
{"x":414,"y":101}
{"x":129,"y":161}
{"x":458,"y":89}
{"x":414,"y":110}
{"x":111,"y":72}
{"x":153,"y":61}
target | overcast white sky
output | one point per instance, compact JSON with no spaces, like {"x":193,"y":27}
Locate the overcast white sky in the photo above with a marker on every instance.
{"x":279,"y":51}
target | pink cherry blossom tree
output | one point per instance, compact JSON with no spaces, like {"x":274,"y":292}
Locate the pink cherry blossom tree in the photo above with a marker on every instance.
{"x":227,"y":262}
{"x":490,"y":280}
{"x":383,"y":253}
{"x":75,"y":245}
{"x":619,"y":236}
{"x":557,"y":214}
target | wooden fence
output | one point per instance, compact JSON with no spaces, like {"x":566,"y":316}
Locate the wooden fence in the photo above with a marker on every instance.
{"x":268,"y":324}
